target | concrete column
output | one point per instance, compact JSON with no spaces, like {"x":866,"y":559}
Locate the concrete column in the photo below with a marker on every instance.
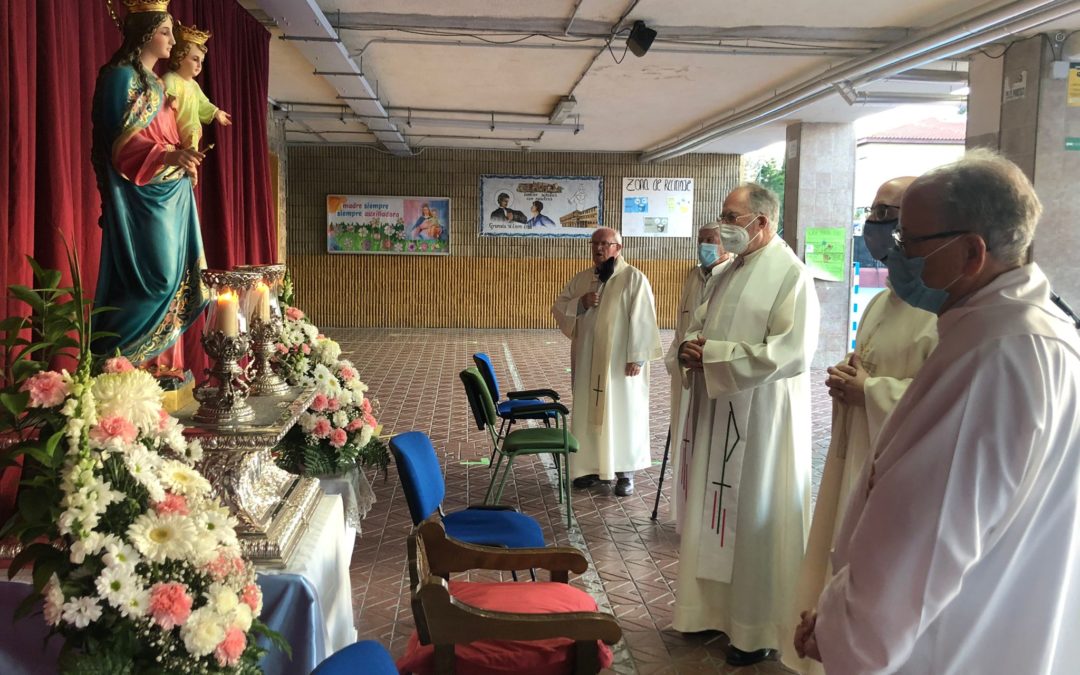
{"x":1034,"y":121}
{"x":819,"y":191}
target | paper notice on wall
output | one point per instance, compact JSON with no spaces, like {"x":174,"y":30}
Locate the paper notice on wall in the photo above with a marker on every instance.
{"x":826,"y":255}
{"x":658,"y":207}
{"x":1074,"y":85}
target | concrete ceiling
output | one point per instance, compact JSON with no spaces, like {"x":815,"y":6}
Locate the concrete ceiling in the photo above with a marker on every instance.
{"x":446,"y":73}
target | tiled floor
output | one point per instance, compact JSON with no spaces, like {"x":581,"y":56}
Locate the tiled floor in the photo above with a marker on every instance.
{"x":413,"y":374}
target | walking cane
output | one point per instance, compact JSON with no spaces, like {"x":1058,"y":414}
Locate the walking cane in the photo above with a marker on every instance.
{"x":663,"y":468}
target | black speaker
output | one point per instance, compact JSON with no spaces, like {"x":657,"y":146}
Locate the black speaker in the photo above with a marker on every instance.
{"x":641,"y":38}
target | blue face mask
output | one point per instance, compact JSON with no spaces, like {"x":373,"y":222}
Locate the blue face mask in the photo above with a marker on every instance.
{"x":708,"y":254}
{"x":905,"y":276}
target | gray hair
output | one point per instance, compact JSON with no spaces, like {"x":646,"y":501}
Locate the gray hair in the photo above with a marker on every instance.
{"x":762,"y":200}
{"x":989,"y":195}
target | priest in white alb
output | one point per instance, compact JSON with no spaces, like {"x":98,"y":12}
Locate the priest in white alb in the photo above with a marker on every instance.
{"x":960,"y":550}
{"x":746,"y":357}
{"x":713,"y":261}
{"x":893,"y":341}
{"x":607,"y":311}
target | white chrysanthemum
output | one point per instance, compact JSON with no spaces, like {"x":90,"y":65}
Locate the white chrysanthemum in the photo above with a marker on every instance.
{"x":134,"y":395}
{"x":327,"y":351}
{"x":340,"y":419}
{"x":204,"y":547}
{"x":116,"y":584}
{"x":143,"y":466}
{"x":81,"y":612}
{"x":216,"y":520}
{"x":54,"y":601}
{"x":121,"y":555}
{"x":161,"y":537}
{"x":243,"y":617}
{"x":322,"y":376}
{"x":311,"y":332}
{"x":182,"y":479}
{"x":194,"y":451}
{"x":346,"y":397}
{"x":222,"y":599}
{"x":307,"y":421}
{"x":357,"y":387}
{"x":365,"y":435}
{"x":134,"y":602}
{"x":202,"y":632}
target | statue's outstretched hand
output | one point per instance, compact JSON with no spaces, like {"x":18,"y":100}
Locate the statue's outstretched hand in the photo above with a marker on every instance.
{"x":223,"y":118}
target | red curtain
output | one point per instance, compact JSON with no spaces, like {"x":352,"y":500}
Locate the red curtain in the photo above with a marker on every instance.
{"x":50,"y":53}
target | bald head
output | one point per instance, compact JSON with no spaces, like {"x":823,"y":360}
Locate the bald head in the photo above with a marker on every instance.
{"x":892,"y":191}
{"x":605,"y":243}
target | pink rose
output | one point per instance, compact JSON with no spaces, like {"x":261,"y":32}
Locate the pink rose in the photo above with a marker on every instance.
{"x":338,"y":438}
{"x":306,"y":348}
{"x":333,"y":404}
{"x":321,"y":428}
{"x":229,"y":651}
{"x":170,"y":604}
{"x":173,"y":503}
{"x":319,"y":403}
{"x":365,"y":405}
{"x":112,"y":427}
{"x":118,"y":364}
{"x":355,"y":425}
{"x":47,"y":389}
{"x":347,"y":373}
{"x":252,"y":597}
{"x":369,"y":420}
{"x":294,"y":313}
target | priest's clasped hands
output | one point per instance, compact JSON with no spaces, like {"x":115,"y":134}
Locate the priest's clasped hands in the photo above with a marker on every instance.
{"x":805,"y":641}
{"x":846,"y":381}
{"x":691,"y":353}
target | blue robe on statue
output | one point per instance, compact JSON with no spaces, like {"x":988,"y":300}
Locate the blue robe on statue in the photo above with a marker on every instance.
{"x":151,"y":245}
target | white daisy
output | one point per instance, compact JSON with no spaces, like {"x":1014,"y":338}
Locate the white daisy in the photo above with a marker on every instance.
{"x":217,"y":521}
{"x":183,"y":479}
{"x":121,"y":555}
{"x":81,"y":612}
{"x":115,"y":584}
{"x":162,"y":537}
{"x":134,"y":602}
{"x":193,"y":451}
{"x":143,"y":466}
{"x":202,"y":632}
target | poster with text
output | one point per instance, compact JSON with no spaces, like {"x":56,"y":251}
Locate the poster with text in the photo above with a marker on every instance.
{"x":657,"y":207}
{"x":826,"y":252}
{"x":541,"y":206}
{"x":388,"y":225}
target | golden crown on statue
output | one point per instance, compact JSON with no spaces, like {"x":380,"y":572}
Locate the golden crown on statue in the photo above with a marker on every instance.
{"x":136,"y":6}
{"x":192,"y":34}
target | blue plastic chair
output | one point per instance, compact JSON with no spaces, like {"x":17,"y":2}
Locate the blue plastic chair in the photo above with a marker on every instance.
{"x":367,"y":656}
{"x":424,"y":487}
{"x":515,"y":406}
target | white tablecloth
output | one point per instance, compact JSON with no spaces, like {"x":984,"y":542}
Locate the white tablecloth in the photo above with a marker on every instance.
{"x":355,"y":490}
{"x":322,"y":556}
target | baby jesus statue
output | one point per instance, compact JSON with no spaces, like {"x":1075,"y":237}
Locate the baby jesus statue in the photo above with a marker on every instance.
{"x":193,"y":108}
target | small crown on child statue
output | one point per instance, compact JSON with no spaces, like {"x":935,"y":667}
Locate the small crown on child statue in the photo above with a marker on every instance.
{"x":137,"y":6}
{"x":192,"y":35}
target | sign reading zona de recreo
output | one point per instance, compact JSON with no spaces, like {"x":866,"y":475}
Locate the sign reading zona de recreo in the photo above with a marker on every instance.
{"x":387,"y":225}
{"x":657,"y":207}
{"x":541,"y":206}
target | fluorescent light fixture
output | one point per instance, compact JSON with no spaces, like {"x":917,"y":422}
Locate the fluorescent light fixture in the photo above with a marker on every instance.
{"x":562,"y":110}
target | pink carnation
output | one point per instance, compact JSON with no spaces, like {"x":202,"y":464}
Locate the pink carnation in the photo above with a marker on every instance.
{"x":294,"y":313}
{"x":112,"y":427}
{"x":320,"y":336}
{"x":355,"y":425}
{"x":170,"y":604}
{"x":365,"y":405}
{"x":173,"y":503}
{"x":347,"y":373}
{"x":221,"y":566}
{"x":306,"y":348}
{"x":319,"y":403}
{"x":118,"y":364}
{"x":333,"y":404}
{"x":321,"y":428}
{"x":370,"y":420}
{"x":229,"y":651}
{"x":338,"y":438}
{"x":47,"y":389}
{"x":252,"y":597}
{"x":163,"y":419}
{"x":281,"y":349}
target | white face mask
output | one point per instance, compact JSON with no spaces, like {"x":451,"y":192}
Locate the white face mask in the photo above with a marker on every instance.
{"x":736,"y":239}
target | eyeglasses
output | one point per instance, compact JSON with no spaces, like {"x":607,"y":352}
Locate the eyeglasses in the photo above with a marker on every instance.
{"x":881,"y":211}
{"x":902,"y":241}
{"x":603,"y":244}
{"x":732,"y":218}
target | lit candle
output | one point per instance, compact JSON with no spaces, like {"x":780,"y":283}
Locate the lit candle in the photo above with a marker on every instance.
{"x":225,"y":316}
{"x":262,"y":302}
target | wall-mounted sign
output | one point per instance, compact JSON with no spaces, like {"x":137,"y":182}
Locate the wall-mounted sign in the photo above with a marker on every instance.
{"x":825,"y":256}
{"x":657,"y":207}
{"x":388,"y":225}
{"x":1074,"y":85}
{"x":541,"y":206}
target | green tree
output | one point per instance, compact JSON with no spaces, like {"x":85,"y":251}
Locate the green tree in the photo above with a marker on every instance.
{"x":771,"y":175}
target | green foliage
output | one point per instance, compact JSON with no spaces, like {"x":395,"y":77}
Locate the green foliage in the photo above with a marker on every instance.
{"x":297,"y":454}
{"x":771,"y":175}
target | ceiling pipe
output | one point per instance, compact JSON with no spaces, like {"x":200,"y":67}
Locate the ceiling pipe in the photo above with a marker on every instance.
{"x":315,"y":37}
{"x":931,"y":76}
{"x":964,"y":34}
{"x":491,"y":125}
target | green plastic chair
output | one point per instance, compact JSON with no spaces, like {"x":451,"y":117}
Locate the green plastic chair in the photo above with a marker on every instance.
{"x":557,"y":440}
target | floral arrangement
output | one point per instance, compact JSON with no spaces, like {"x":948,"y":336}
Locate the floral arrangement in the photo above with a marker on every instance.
{"x":339,"y":430}
{"x":135,"y":564}
{"x":377,"y":235}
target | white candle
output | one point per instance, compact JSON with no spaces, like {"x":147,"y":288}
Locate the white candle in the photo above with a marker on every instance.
{"x":226,"y":314}
{"x":262,"y":302}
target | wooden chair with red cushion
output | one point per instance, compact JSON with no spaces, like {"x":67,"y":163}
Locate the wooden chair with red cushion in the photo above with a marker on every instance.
{"x":501,"y":628}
